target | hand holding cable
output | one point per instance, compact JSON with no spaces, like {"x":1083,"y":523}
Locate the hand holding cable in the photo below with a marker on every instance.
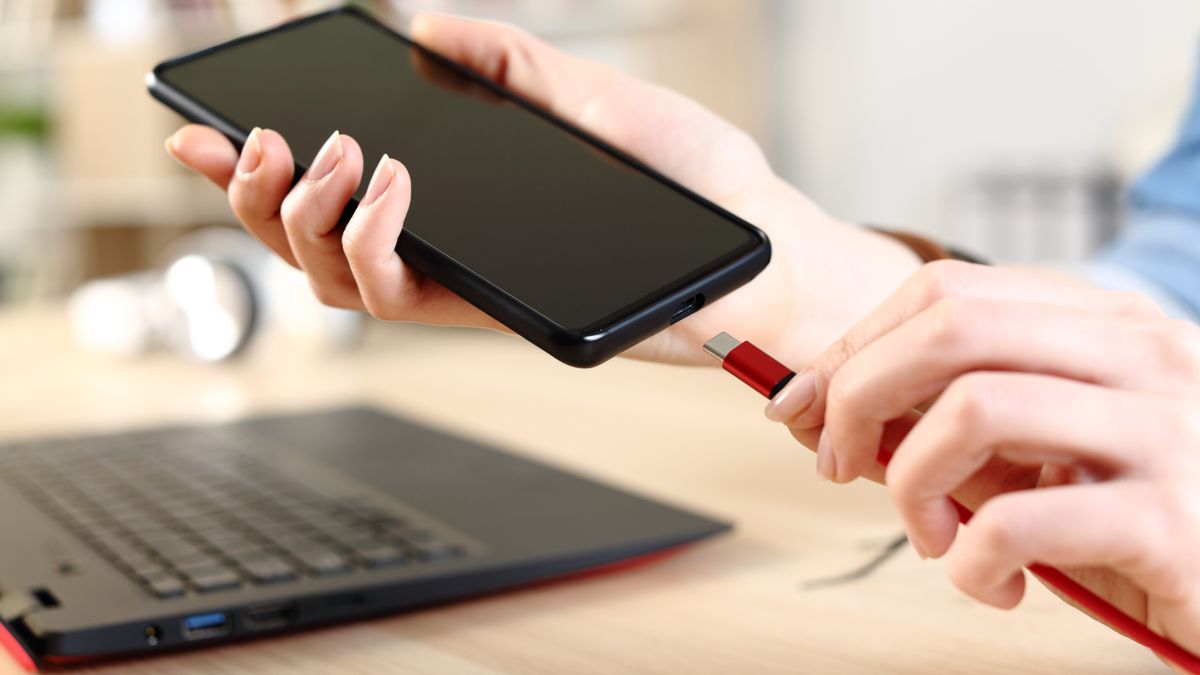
{"x":1091,"y":397}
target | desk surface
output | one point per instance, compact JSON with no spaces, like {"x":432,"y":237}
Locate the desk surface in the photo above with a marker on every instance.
{"x":693,"y":436}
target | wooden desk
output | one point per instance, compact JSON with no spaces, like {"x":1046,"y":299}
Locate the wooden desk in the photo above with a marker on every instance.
{"x":692,"y":436}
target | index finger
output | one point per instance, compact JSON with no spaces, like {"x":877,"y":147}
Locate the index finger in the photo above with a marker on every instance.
{"x":205,"y":151}
{"x":802,"y":403}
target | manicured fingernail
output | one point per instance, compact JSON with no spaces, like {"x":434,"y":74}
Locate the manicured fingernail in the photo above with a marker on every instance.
{"x":327,"y":158}
{"x":251,"y":154}
{"x":380,"y":181}
{"x":795,"y":398}
{"x":826,"y":462}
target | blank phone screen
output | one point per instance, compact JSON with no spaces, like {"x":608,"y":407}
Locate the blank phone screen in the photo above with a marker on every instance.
{"x":560,"y":225}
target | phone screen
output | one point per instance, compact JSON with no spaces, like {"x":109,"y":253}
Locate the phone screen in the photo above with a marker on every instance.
{"x":553,"y":221}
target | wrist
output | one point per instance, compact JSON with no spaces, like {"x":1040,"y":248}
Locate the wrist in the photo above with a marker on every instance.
{"x":860,"y":269}
{"x":824,"y":276}
{"x":891,"y":258}
{"x":833,"y":274}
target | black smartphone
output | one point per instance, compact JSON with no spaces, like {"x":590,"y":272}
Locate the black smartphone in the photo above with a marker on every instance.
{"x":571,"y":243}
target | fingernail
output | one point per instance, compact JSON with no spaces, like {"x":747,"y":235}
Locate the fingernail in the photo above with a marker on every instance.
{"x":826,"y":462}
{"x":917,"y":548}
{"x":419,"y":23}
{"x":380,"y":181}
{"x":251,"y":154}
{"x":795,"y":398}
{"x":169,"y":144}
{"x":327,"y":158}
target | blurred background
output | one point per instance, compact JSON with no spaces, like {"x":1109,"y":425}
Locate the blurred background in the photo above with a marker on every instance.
{"x":1011,"y":129}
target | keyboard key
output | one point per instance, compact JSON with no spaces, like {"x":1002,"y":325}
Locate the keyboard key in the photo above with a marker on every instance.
{"x":414,"y":535}
{"x":243,"y":558}
{"x":295,"y":539}
{"x":164,"y":586}
{"x":382,"y":555}
{"x":193,"y":560}
{"x":230,"y":540}
{"x":385,"y":521}
{"x":155,"y":502}
{"x":142,"y":565}
{"x":437,"y":550}
{"x":325,"y":524}
{"x":120,"y":548}
{"x":211,"y":579}
{"x":269,"y":570}
{"x":178,"y":550}
{"x":245,"y":548}
{"x":322,"y":561}
{"x":358,"y":541}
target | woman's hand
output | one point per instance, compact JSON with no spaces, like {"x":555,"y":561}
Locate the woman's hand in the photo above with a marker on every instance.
{"x":1067,"y":417}
{"x":824,"y":274}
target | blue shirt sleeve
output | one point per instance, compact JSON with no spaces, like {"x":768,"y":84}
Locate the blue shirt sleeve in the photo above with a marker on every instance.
{"x":1158,"y":253}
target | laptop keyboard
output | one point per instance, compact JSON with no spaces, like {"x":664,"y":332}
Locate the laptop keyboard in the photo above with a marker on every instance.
{"x":188,"y":511}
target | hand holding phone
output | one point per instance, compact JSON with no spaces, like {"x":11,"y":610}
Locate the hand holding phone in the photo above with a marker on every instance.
{"x":679,"y":138}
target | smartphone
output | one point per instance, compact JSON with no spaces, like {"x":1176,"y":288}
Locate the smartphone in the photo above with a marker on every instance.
{"x":568,"y":241}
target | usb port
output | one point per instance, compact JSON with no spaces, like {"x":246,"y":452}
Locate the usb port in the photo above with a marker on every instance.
{"x":687,"y":307}
{"x":204,"y":626}
{"x":268,"y":616}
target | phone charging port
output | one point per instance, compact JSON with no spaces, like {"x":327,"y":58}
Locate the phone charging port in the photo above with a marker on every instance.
{"x":687,"y":307}
{"x":271,"y":615}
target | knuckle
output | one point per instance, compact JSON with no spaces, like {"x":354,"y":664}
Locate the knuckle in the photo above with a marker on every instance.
{"x":844,"y":387}
{"x":1176,"y":512}
{"x":805,"y":437}
{"x":942,"y":279}
{"x":964,"y":577}
{"x":352,"y":242}
{"x":1183,"y":425}
{"x":398,"y":304}
{"x":384,"y":308}
{"x":290,"y":209}
{"x":326,"y":295}
{"x":239,"y":201}
{"x":996,"y":528}
{"x":901,"y":483}
{"x":381,"y":311}
{"x":515,"y":38}
{"x":1187,"y":343}
{"x":516,"y":48}
{"x":963,"y":569}
{"x":966,"y":404}
{"x":745,"y":150}
{"x":1178,"y":498}
{"x":1176,"y":345}
{"x":840,"y":353}
{"x":1135,"y":304}
{"x":950,"y":322}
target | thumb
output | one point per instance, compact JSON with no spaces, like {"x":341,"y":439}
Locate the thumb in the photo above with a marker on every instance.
{"x":515,"y":59}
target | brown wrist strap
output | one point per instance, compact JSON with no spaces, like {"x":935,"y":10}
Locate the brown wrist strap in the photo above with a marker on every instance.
{"x":926,"y":249}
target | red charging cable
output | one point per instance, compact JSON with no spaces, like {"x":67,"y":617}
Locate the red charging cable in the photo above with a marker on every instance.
{"x":768,"y":376}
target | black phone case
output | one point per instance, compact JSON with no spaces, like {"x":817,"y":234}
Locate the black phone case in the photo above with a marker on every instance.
{"x":580,"y":348}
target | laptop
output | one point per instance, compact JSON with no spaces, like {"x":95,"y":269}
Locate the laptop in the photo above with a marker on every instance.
{"x":164,"y":538}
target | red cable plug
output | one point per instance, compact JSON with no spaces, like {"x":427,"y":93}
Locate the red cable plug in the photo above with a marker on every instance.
{"x":767,"y":376}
